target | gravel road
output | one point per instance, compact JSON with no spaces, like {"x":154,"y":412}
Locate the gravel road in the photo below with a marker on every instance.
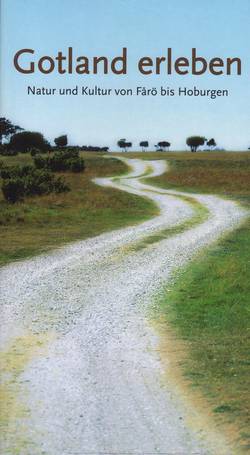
{"x":88,"y":379}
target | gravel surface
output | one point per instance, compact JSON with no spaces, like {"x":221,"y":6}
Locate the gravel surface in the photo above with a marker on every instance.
{"x":96,"y":385}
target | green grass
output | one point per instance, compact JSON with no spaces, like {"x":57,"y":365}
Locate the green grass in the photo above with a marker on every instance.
{"x":209,"y":308}
{"x":208,"y":303}
{"x":41,"y":223}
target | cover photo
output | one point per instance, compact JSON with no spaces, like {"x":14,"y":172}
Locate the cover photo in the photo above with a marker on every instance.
{"x":124,"y":227}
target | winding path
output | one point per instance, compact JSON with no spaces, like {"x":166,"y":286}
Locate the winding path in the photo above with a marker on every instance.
{"x":82,"y":374}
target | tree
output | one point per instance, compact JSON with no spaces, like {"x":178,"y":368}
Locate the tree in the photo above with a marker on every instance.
{"x":163,"y":145}
{"x":194,"y":142}
{"x":7,"y":128}
{"x":143,"y":145}
{"x":61,"y":141}
{"x":23,"y":142}
{"x":128,"y":144}
{"x":123,"y":144}
{"x":211,"y":143}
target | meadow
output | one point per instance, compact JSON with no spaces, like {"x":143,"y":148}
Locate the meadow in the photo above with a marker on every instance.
{"x":40,"y":223}
{"x":207,"y":305}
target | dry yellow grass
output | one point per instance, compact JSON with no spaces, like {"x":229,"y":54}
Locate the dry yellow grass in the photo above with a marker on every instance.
{"x":226,"y":173}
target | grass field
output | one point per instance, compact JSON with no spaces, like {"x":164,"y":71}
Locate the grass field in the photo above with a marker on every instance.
{"x":208,"y":305}
{"x":41,"y":223}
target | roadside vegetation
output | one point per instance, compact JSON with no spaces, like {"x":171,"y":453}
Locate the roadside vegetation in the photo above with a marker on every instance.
{"x":208,"y":307}
{"x":208,"y":304}
{"x":36,"y":224}
{"x":223,"y":173}
{"x":56,"y":202}
{"x":48,"y":197}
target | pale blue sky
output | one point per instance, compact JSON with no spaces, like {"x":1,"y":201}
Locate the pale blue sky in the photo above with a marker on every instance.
{"x":145,"y":27}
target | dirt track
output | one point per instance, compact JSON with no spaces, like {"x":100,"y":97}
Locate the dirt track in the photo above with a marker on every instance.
{"x":82,"y":373}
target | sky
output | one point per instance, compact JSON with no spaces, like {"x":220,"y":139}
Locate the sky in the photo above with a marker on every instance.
{"x":217,"y":28}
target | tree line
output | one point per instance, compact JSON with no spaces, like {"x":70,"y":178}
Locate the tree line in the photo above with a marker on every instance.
{"x":18,"y":140}
{"x":194,"y":142}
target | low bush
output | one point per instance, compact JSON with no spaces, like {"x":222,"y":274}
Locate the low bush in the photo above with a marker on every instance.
{"x":43,"y":182}
{"x":91,"y":148}
{"x":65,"y":160}
{"x":7,"y":172}
{"x":29,"y":181}
{"x":34,"y":151}
{"x":7,"y":151}
{"x":13,"y":189}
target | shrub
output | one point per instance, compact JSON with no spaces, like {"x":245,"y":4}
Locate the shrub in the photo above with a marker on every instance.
{"x":34,"y":151}
{"x":7,"y":151}
{"x":29,"y":181}
{"x":65,"y":160}
{"x":94,"y":148}
{"x":15,"y":171}
{"x":40,"y":162}
{"x":38,"y":182}
{"x":7,"y":172}
{"x":60,"y":186}
{"x":76,"y":164}
{"x":44,"y":182}
{"x":10,"y":152}
{"x":13,"y":189}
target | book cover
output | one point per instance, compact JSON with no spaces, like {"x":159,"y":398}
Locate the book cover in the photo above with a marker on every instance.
{"x":124,"y":172}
